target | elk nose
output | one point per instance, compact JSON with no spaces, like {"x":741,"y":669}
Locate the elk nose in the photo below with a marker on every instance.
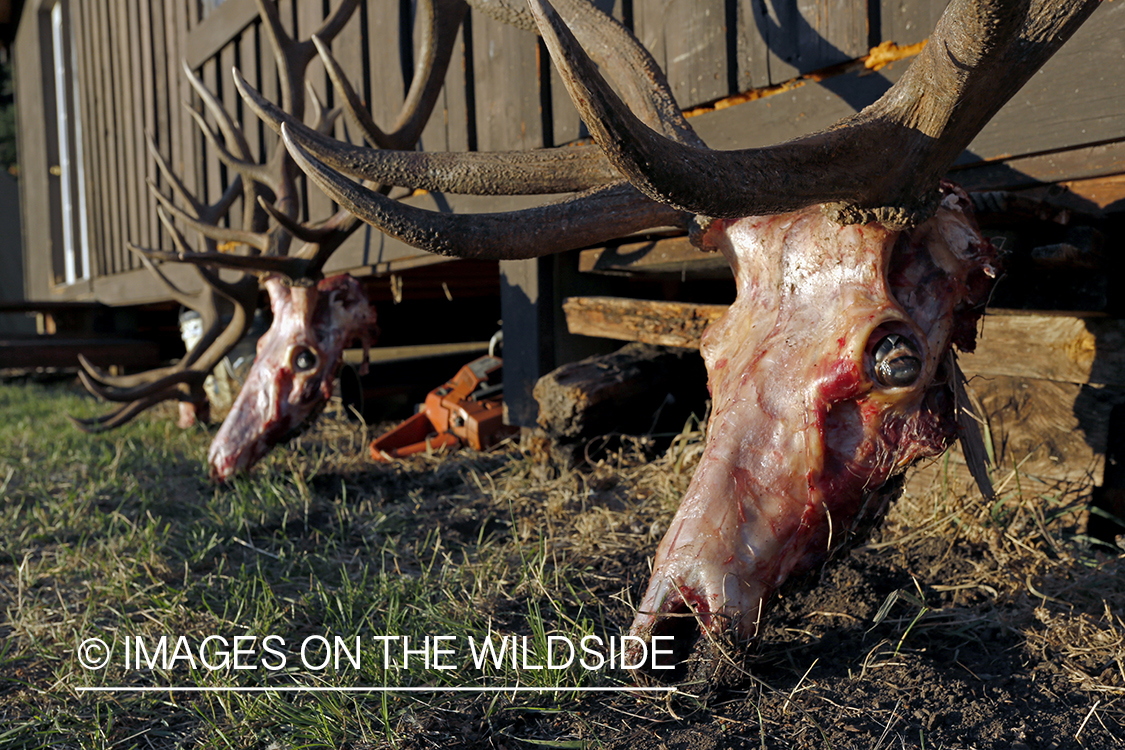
{"x":897,"y":361}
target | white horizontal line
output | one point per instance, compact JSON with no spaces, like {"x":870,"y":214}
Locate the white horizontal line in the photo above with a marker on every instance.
{"x":312,"y":689}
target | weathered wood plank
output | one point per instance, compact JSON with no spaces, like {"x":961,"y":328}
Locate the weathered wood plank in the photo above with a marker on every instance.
{"x":213,"y":33}
{"x":799,"y":37}
{"x":128,"y":110}
{"x":228,"y":95}
{"x":114,"y":187}
{"x":672,"y":255}
{"x":247,"y":62}
{"x":1075,"y":100}
{"x":348,"y":51}
{"x":1063,"y":348}
{"x":648,"y":321}
{"x":162,"y":62}
{"x":1044,"y":434}
{"x":506,"y":74}
{"x":309,"y":17}
{"x":906,"y":22}
{"x":210,"y":166}
{"x":448,"y":126}
{"x":387,"y":73}
{"x":688,"y":38}
{"x":92,"y":142}
{"x":145,"y":117}
{"x":1079,"y":163}
{"x":266,"y":81}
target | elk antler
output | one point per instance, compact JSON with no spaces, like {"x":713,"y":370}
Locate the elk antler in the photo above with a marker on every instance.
{"x":980,"y":54}
{"x":269,"y":191}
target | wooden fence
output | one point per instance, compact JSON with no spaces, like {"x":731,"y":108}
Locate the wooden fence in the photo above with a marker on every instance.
{"x":123,"y":62}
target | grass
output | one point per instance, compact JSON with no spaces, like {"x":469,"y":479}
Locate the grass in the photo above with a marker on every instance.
{"x":121,"y":537}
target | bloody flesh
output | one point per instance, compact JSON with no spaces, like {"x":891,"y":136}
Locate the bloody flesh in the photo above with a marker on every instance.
{"x":292,"y":375}
{"x":804,"y":442}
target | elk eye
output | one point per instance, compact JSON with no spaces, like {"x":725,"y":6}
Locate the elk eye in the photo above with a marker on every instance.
{"x":304,"y":360}
{"x":897,"y":361}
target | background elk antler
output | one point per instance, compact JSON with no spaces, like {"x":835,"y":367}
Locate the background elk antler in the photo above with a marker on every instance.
{"x":261,"y":245}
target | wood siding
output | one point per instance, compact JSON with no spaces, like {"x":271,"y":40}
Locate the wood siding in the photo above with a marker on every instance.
{"x":500,"y":94}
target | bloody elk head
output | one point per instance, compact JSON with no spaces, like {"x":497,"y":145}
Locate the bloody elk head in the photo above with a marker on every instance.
{"x":314,"y":318}
{"x":857,"y":271}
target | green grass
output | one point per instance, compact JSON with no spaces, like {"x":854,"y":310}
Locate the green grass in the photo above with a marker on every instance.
{"x":120,"y":537}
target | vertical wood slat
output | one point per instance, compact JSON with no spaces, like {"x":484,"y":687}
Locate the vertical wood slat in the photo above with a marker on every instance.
{"x":310,"y":15}
{"x":212,"y":173}
{"x":112,"y":182}
{"x":143,"y":118}
{"x":447,"y":128}
{"x":125,"y":111}
{"x":228,"y":95}
{"x":266,"y":82}
{"x":247,"y":62}
{"x":161,"y":126}
{"x":388,"y":80}
{"x":688,"y":39}
{"x":506,"y":72}
{"x":92,"y":144}
{"x":793,"y":38}
{"x":347,"y":48}
{"x":906,"y":22}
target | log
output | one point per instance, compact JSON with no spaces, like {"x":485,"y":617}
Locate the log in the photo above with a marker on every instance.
{"x":648,"y":321}
{"x":1048,"y":384}
{"x":639,"y":389}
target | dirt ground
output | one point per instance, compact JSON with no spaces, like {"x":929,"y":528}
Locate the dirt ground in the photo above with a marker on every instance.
{"x":961,"y":624}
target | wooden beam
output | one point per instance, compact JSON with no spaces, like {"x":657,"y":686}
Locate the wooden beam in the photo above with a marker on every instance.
{"x":648,"y":321}
{"x":1062,"y":347}
{"x":670,"y":255}
{"x":1045,"y":435}
{"x":48,"y":351}
{"x":213,"y":33}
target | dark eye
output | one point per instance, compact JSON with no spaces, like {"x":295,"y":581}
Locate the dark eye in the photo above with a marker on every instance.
{"x":897,"y":361}
{"x":304,"y":360}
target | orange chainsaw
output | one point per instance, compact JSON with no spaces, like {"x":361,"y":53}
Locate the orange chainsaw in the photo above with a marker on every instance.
{"x":468,"y":410}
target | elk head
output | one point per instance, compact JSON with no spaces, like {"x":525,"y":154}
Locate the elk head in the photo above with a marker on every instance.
{"x":314,"y":318}
{"x":857,"y":270}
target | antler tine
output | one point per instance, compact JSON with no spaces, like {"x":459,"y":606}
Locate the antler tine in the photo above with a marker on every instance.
{"x":323,"y":117}
{"x":231,"y":132}
{"x":617,"y":51}
{"x":251,"y":172}
{"x":539,"y":172}
{"x":232,"y":291}
{"x":127,"y":412}
{"x":981,"y":53}
{"x":94,"y":382}
{"x":210,"y":231}
{"x":292,"y":56}
{"x":178,"y":187}
{"x":513,"y":235}
{"x":351,"y":101}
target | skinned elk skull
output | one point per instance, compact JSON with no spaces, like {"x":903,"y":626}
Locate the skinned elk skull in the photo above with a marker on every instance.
{"x":857,"y":271}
